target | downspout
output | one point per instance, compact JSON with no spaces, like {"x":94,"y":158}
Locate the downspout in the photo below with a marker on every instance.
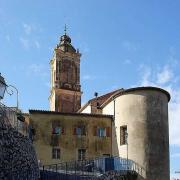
{"x":114,"y":109}
{"x":113,"y":123}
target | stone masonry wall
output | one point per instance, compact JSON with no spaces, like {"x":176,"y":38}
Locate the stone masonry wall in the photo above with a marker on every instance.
{"x":17,"y":156}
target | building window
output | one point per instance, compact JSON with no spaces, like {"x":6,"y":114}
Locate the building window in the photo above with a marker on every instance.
{"x":57,"y":129}
{"x":80,"y":130}
{"x":102,"y":131}
{"x":123,"y":135}
{"x":55,"y":153}
{"x":81,"y":154}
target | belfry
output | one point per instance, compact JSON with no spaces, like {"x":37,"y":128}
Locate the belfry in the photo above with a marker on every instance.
{"x":65,"y":95}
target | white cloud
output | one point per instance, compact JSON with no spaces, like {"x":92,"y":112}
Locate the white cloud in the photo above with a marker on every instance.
{"x":165,"y":75}
{"x":164,"y":79}
{"x":175,"y":176}
{"x":27,"y":28}
{"x":37,"y":44}
{"x":25,"y":42}
{"x":39,"y":70}
{"x":146,"y":74}
{"x":28,"y":39}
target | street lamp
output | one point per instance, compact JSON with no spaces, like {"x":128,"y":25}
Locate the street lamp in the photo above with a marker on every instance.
{"x":2,"y":87}
{"x":17,"y":93}
{"x":18,"y":113}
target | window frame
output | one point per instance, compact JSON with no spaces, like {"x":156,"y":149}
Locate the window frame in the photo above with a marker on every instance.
{"x":57,"y":124}
{"x":54,"y":130}
{"x":80,"y":130}
{"x":101,"y":132}
{"x":123,"y":135}
{"x":81,"y":154}
{"x":56,"y":153}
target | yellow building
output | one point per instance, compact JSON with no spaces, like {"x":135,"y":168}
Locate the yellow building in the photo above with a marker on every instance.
{"x":63,"y":137}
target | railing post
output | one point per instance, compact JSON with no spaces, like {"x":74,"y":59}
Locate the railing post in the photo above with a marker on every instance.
{"x":75,"y":167}
{"x":66,"y":167}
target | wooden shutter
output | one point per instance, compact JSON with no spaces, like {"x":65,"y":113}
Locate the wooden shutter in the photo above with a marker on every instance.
{"x":95,"y":131}
{"x":108,"y":132}
{"x":63,"y":131}
{"x":83,"y":130}
{"x":74,"y":131}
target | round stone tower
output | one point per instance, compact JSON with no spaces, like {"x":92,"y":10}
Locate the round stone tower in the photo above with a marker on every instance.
{"x":141,"y":129}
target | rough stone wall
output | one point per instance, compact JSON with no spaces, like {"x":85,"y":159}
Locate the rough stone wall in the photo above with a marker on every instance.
{"x":17,"y":156}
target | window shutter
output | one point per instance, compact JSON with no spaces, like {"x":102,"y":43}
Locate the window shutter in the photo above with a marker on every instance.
{"x":58,"y":153}
{"x":63,"y":131}
{"x":95,"y":131}
{"x":108,"y":131}
{"x":121,"y":136}
{"x":53,"y":131}
{"x":83,"y":130}
{"x":74,"y":131}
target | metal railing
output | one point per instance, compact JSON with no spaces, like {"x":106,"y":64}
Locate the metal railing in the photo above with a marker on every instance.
{"x":94,"y":168}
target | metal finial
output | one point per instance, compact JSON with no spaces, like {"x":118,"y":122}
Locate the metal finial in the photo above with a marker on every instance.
{"x":65,"y":29}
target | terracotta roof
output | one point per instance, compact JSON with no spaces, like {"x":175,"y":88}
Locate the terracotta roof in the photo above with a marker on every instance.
{"x":101,"y":99}
{"x":35,"y":111}
{"x":106,"y":98}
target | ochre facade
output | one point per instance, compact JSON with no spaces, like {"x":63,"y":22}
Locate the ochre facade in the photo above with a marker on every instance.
{"x":69,"y":142}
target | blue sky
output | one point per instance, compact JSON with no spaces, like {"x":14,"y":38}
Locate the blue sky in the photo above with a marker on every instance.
{"x":124,"y":43}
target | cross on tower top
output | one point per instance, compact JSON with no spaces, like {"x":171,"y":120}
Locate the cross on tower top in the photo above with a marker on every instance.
{"x":65,"y":29}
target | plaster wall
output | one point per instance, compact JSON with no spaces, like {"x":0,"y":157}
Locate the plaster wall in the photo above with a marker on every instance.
{"x":68,"y":142}
{"x":87,"y":109}
{"x":145,"y":112}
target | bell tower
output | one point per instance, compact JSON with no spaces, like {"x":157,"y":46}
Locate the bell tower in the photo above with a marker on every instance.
{"x":65,"y":95}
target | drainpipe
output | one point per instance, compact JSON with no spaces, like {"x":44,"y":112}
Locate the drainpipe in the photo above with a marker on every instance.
{"x":114,"y":108}
{"x":113,"y":123}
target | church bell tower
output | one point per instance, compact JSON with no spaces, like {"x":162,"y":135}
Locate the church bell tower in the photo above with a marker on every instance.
{"x":66,"y":92}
